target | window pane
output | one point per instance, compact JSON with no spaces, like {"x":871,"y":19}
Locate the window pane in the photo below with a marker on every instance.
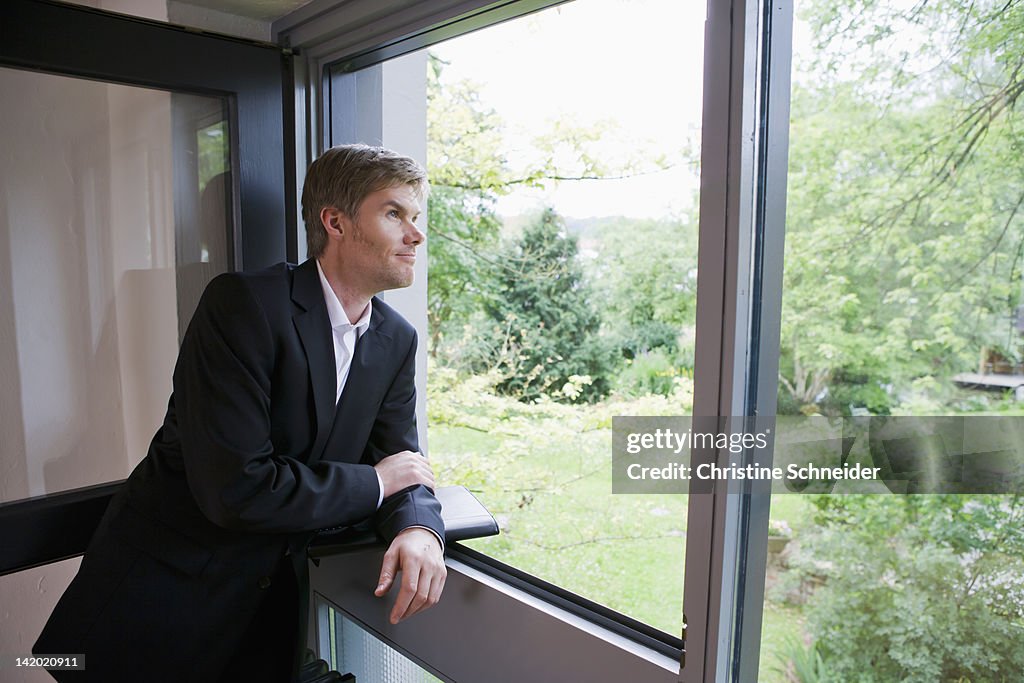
{"x":562,"y":255}
{"x":355,"y":651}
{"x":903,"y":281}
{"x":115,"y":206}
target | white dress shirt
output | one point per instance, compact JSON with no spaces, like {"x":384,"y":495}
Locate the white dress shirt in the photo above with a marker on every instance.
{"x":346,"y":333}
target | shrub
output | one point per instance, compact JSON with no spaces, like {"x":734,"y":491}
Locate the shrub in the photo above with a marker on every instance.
{"x":651,"y":372}
{"x":917,"y":588}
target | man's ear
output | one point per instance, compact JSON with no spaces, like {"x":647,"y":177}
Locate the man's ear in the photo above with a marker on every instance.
{"x":334,"y":221}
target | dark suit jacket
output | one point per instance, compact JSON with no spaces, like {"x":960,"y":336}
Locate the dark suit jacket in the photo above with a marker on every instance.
{"x":252,"y":459}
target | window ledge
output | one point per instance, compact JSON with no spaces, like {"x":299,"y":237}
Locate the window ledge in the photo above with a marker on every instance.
{"x":485,"y":629}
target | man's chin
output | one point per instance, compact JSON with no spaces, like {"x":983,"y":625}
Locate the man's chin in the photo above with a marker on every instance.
{"x":400,"y":282}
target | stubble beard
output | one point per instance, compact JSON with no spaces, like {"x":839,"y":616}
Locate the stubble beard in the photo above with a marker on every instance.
{"x":390,"y":275}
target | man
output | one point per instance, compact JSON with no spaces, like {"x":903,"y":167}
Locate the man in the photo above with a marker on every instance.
{"x":293,"y":410}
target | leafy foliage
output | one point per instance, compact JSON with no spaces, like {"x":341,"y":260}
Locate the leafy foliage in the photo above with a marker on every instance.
{"x":467,"y":174}
{"x":802,"y":664}
{"x":917,"y":588}
{"x":904,"y":226}
{"x":647,"y":277}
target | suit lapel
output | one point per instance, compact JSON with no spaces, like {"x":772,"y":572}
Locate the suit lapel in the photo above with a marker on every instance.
{"x":314,"y":329}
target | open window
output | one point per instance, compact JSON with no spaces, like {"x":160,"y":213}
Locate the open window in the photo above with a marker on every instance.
{"x":597,"y":594}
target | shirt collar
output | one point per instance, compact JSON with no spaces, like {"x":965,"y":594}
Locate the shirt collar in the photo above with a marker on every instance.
{"x":336,"y":312}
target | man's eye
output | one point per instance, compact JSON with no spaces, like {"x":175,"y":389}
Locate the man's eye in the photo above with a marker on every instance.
{"x":393,"y":213}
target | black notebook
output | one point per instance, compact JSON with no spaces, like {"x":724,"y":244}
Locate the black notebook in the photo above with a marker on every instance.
{"x":464,"y":518}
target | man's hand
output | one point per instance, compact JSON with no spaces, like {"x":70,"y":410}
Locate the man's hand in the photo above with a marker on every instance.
{"x":415,"y":552}
{"x":403,"y":470}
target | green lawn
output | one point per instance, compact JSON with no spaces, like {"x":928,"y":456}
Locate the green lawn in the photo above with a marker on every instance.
{"x":550,"y":490}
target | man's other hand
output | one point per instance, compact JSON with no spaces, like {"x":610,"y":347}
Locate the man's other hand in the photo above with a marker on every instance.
{"x":402,"y":470}
{"x":416,"y":553}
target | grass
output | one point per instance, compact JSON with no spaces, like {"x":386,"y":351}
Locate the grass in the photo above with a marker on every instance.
{"x":544,"y":470}
{"x":546,"y":476}
{"x":782,"y":626}
{"x":566,"y":527}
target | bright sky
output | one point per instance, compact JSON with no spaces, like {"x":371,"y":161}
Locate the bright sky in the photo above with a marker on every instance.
{"x":636,"y":63}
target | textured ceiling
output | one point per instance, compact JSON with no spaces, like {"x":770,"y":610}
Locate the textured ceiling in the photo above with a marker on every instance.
{"x":263,"y":10}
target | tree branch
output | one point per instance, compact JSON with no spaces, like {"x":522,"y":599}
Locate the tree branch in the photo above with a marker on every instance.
{"x":527,"y":180}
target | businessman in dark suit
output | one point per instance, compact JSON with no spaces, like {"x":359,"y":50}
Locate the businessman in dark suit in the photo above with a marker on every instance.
{"x":293,"y":411}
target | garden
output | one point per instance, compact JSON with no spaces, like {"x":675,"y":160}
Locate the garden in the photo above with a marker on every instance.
{"x":904,"y":237}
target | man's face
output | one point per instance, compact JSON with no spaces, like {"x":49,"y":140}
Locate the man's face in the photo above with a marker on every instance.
{"x":379,"y":246}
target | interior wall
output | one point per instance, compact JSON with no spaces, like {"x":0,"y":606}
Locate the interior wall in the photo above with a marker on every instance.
{"x":28,"y":598}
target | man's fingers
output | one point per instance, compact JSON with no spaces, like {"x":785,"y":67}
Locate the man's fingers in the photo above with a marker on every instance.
{"x":414,"y":553}
{"x":428,"y":477}
{"x":437,"y":587}
{"x":422,"y":594}
{"x":402,"y":470}
{"x":410,"y":586}
{"x":422,"y":597}
{"x":387,"y":574}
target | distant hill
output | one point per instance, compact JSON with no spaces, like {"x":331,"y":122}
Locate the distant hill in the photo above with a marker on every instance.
{"x":589,"y":231}
{"x":581,"y":227}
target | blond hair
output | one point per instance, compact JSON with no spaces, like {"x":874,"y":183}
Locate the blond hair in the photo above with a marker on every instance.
{"x":343,"y":176}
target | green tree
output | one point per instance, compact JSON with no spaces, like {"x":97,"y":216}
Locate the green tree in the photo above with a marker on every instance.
{"x":904,"y":227}
{"x":647,"y":278}
{"x":542,"y":333}
{"x":469,"y":171}
{"x":467,"y":174}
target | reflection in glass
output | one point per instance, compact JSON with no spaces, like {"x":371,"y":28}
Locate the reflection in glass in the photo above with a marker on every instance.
{"x":903,"y":283}
{"x":115,"y":210}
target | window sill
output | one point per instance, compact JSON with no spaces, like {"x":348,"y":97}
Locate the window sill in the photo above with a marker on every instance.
{"x":484,"y":629}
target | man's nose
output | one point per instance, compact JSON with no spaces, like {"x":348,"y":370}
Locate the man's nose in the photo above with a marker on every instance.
{"x":413,"y":235}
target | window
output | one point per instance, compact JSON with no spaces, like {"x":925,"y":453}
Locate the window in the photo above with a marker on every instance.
{"x":562,"y":283}
{"x":103,"y":269}
{"x":740,"y":233}
{"x":901,"y":295}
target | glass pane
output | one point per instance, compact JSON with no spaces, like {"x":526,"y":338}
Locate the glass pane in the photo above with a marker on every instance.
{"x":902,"y":294}
{"x":355,"y":651}
{"x":563,"y":252}
{"x":116,"y":212}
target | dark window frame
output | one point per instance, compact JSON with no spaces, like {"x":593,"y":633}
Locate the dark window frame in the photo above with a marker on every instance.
{"x":255,"y":80}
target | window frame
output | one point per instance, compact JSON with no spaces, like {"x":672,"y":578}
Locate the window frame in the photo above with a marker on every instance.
{"x":744,"y":164}
{"x":742,"y":212}
{"x":485,"y":628}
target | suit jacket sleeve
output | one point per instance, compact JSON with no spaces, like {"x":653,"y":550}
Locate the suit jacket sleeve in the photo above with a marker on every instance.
{"x":222,"y":393}
{"x":394,"y":430}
